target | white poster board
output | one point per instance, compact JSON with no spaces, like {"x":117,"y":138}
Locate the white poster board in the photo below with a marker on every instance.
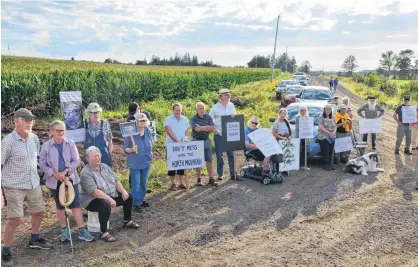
{"x":265,"y":141}
{"x":409,"y":114}
{"x":370,"y":126}
{"x":72,"y":111}
{"x":306,"y":127}
{"x":185,"y":155}
{"x":232,"y":131}
{"x":291,"y":154}
{"x":343,"y":144}
{"x":153,"y":129}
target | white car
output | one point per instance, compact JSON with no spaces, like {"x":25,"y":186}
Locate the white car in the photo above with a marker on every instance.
{"x":302,"y":79}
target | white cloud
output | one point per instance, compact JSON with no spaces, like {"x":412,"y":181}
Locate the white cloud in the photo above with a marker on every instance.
{"x":42,"y":38}
{"x":350,"y":21}
{"x":346,"y":32}
{"x":398,"y":36}
{"x":367,"y":22}
{"x":248,"y":26}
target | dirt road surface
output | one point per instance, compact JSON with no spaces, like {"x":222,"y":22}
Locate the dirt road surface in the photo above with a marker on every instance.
{"x":315,"y":218}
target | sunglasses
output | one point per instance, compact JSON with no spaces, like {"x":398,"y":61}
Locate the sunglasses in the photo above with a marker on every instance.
{"x":255,"y":123}
{"x":98,"y":112}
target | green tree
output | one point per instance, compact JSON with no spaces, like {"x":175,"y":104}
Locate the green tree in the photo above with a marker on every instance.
{"x":349,"y":65}
{"x":305,"y":66}
{"x":388,"y":61}
{"x":404,"y":63}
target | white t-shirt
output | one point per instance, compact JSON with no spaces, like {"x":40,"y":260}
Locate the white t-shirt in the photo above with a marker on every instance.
{"x":178,"y":127}
{"x":218,"y":111}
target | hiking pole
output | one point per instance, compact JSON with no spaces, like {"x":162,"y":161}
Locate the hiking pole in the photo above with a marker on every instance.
{"x":69,"y":229}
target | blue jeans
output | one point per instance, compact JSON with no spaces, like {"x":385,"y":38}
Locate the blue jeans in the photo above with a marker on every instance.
{"x":335,"y":88}
{"x":219,"y":156}
{"x":139,"y":179}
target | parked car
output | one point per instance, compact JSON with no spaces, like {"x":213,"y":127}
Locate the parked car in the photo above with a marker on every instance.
{"x":281,"y":87}
{"x":302,"y":79}
{"x":300,"y":73}
{"x":319,"y":94}
{"x":292,"y":91}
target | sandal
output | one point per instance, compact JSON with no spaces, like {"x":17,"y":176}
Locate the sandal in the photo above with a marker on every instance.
{"x":130,"y":224}
{"x":173,"y":187}
{"x":107,"y":238}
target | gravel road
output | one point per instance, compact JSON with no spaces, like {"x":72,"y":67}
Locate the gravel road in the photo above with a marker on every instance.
{"x":315,"y":218}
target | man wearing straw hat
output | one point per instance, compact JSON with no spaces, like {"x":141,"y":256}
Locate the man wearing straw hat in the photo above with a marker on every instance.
{"x":222,"y":108}
{"x":21,"y":182}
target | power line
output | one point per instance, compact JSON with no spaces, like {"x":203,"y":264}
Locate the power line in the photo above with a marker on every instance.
{"x":246,"y":10}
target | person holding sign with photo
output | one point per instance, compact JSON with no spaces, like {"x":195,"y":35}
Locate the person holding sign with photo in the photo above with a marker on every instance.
{"x":223,"y":108}
{"x":343,"y":128}
{"x":403,"y":128}
{"x":177,"y":130}
{"x":202,"y":126}
{"x":326,"y":135}
{"x":98,"y":133}
{"x":138,"y":150}
{"x":371,"y":110}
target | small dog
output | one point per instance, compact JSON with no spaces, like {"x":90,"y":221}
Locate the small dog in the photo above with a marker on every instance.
{"x":364,"y":164}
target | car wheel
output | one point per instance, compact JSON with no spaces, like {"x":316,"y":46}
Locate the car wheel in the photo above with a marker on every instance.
{"x":266,"y":181}
{"x":243,"y":174}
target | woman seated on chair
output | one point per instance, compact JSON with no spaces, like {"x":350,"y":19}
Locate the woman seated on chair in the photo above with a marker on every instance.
{"x":102,"y":190}
{"x":251,"y":148}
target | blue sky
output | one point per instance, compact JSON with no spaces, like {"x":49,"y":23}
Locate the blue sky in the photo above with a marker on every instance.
{"x":229,"y":32}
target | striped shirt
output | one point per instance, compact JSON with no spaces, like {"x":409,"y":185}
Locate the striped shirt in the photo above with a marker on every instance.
{"x":19,"y":161}
{"x":94,"y":130}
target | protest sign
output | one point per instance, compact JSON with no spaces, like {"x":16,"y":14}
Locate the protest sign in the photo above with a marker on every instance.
{"x":153,"y":129}
{"x":128,"y":128}
{"x":343,"y":144}
{"x":266,"y":142}
{"x":370,"y":126}
{"x":409,"y":114}
{"x":185,"y":155}
{"x":306,"y":127}
{"x":291,"y":152}
{"x":233,"y":137}
{"x":72,"y":111}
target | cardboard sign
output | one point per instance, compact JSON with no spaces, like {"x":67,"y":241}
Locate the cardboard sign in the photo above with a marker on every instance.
{"x":128,"y":128}
{"x":185,"y":155}
{"x":153,"y":129}
{"x":343,"y":144}
{"x":265,"y":141}
{"x":370,"y":126}
{"x":233,"y":137}
{"x":306,"y":127}
{"x":409,"y":114}
{"x":72,"y":111}
{"x":291,"y":154}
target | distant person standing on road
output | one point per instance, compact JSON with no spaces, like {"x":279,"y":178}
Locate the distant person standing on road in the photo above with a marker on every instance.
{"x":403,"y":128}
{"x":331,"y":82}
{"x":335,"y":85}
{"x":371,"y":110}
{"x":223,"y":108}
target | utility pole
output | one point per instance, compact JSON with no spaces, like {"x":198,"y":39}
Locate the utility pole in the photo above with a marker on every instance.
{"x":274,"y":52}
{"x":8,"y":47}
{"x":286,"y":58}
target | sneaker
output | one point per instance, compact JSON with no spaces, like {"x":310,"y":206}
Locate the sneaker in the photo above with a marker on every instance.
{"x":407,"y":152}
{"x":137,"y":209}
{"x":182,"y":186}
{"x":85,"y":235}
{"x":6,"y":260}
{"x":65,"y":235}
{"x":220,"y":177}
{"x":397,"y":152}
{"x":41,"y":243}
{"x":212,"y":182}
{"x":374,"y":148}
{"x":173,"y":187}
{"x":199,"y":182}
{"x":144,"y":204}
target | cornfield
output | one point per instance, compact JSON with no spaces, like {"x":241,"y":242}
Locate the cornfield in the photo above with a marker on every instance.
{"x":35,"y":83}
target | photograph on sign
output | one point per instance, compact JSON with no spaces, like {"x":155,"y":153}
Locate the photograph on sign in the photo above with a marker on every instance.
{"x":233,"y":137}
{"x":153,"y":129}
{"x":409,"y":114}
{"x":185,"y":155}
{"x":291,"y":151}
{"x":306,"y":127}
{"x":370,"y":126}
{"x":128,"y":128}
{"x":72,"y":111}
{"x":265,"y":141}
{"x":343,"y":144}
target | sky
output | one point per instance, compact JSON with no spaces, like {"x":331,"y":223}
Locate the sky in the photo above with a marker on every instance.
{"x":230,"y":32}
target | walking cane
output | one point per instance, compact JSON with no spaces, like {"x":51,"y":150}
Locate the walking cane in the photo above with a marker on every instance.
{"x":306,"y":155}
{"x":66,"y":198}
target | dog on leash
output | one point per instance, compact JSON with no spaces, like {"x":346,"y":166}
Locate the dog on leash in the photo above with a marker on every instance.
{"x":364,"y":164}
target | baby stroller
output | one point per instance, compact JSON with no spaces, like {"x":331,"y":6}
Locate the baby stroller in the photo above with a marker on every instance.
{"x":255,"y":170}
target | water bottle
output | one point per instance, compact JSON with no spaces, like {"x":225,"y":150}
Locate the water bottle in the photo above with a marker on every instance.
{"x":93,"y":224}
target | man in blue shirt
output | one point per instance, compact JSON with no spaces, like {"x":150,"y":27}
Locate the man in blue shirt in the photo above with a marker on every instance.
{"x":335,"y":84}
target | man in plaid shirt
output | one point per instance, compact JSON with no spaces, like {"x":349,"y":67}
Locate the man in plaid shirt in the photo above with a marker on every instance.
{"x":20,"y":182}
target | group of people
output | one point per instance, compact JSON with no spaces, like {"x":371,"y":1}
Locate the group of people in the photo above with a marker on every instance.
{"x":333,"y":83}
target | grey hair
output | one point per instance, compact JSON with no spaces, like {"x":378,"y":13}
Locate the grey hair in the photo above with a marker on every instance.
{"x":92,"y":149}
{"x":200,"y":103}
{"x":303,"y":107}
{"x":55,"y":123}
{"x":345,"y":98}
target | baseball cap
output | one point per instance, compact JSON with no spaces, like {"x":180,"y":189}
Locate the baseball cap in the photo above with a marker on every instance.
{"x":93,"y":107}
{"x":371,"y":97}
{"x":23,"y":113}
{"x":224,"y":91}
{"x":140,"y":117}
{"x":407,"y":97}
{"x":255,"y":119}
{"x":342,"y":106}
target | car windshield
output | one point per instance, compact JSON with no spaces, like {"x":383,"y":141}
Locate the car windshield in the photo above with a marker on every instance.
{"x":294,"y":90}
{"x":316,"y":94}
{"x":313,"y":112}
{"x":299,"y":77}
{"x":286,"y":82}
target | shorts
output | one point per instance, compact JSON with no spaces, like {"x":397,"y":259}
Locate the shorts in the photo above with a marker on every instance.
{"x":208,"y":150}
{"x":76,"y":201}
{"x":16,"y":197}
{"x":173,"y":173}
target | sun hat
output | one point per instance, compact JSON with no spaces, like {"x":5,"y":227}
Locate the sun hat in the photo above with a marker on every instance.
{"x":93,"y":107}
{"x":141,"y":117}
{"x":224,"y":91}
{"x":342,"y":106}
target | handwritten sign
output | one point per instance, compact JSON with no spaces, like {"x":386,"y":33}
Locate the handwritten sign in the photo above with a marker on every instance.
{"x":233,"y":131}
{"x":409,"y":114}
{"x":343,"y":144}
{"x":306,"y":127}
{"x":291,"y":152}
{"x":186,"y":155}
{"x":370,"y":126}
{"x":264,"y":140}
{"x":128,"y":128}
{"x":153,"y":129}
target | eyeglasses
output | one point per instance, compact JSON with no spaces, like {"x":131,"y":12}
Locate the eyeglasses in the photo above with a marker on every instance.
{"x":28,"y":120}
{"x":255,"y":123}
{"x":59,"y":131}
{"x":98,"y":112}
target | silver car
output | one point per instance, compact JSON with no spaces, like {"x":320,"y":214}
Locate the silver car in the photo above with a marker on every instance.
{"x":320,"y":94}
{"x":281,"y":87}
{"x":302,"y":79}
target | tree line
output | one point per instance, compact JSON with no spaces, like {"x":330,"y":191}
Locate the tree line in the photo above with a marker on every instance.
{"x":282,"y":62}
